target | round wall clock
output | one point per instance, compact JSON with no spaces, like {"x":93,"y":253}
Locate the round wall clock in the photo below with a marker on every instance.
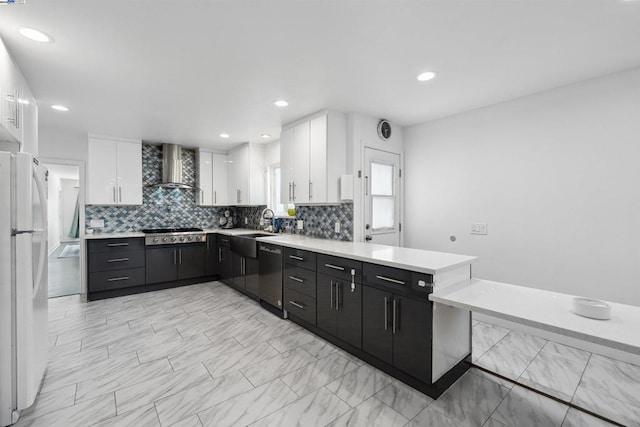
{"x":384,"y":129}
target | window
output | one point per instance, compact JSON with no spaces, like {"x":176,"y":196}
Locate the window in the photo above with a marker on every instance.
{"x":274,"y":191}
{"x":382,"y":197}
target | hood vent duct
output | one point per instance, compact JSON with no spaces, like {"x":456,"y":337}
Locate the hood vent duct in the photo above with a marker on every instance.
{"x":172,"y":167}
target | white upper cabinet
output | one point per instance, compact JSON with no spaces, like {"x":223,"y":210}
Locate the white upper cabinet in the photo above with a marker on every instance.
{"x":246,"y":175}
{"x":114,"y":175}
{"x":212,"y":178}
{"x":313,"y":157}
{"x":14,"y":97}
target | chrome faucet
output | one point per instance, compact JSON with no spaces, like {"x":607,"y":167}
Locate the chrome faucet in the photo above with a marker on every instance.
{"x":266,"y":218}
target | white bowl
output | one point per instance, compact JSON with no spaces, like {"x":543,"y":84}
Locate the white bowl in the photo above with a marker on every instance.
{"x":592,"y":308}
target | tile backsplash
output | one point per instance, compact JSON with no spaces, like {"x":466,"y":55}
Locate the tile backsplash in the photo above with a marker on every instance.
{"x":164,"y":207}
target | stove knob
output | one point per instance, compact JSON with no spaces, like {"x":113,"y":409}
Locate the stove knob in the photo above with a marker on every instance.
{"x":165,"y":239}
{"x":155,"y":240}
{"x":182,"y":238}
{"x":190,"y":238}
{"x":173,"y":239}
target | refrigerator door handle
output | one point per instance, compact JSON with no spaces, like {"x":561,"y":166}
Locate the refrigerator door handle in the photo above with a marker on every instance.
{"x":42,"y":193}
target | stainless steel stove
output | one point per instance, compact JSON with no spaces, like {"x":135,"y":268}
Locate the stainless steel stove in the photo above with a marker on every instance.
{"x":173,"y":236}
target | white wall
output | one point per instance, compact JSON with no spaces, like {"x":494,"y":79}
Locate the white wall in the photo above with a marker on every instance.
{"x":58,"y":144}
{"x":53,"y":212}
{"x":557,"y":178}
{"x":362,"y":131}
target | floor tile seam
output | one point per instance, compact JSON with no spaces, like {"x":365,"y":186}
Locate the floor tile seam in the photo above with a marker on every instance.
{"x":529,"y":365}
{"x":608,"y":395}
{"x":391,"y":407}
{"x":581,"y":377}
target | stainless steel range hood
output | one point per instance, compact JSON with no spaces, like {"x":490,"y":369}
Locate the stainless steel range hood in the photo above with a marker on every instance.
{"x":172,"y":167}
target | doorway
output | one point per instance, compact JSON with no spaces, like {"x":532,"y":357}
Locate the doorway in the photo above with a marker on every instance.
{"x":382,"y":197}
{"x":63,"y":224}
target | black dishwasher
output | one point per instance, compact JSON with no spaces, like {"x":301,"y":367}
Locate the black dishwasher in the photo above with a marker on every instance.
{"x":270,"y":276}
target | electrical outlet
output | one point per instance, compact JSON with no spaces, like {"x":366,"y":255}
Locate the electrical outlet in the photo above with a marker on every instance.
{"x":300,"y":224}
{"x":96,"y":223}
{"x":246,"y":220}
{"x":337,"y":227}
{"x":479,"y":228}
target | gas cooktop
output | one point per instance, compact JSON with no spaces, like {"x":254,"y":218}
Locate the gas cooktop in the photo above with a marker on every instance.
{"x":171,"y":230}
{"x":172,"y":236}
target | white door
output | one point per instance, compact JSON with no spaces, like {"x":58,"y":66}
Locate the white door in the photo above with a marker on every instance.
{"x":382,"y":197}
{"x":129,"y":161}
{"x":205,"y":178}
{"x":219,"y":179}
{"x":101,"y":179}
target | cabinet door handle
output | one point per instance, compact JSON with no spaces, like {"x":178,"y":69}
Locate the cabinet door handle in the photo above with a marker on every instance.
{"x":294,"y":190}
{"x":331,"y":297}
{"x":207,"y":244}
{"x":289,"y":191}
{"x":297,"y":279}
{"x":366,"y":185}
{"x":118,"y":260}
{"x":310,"y":190}
{"x":389,"y":279}
{"x":180,"y":256}
{"x":337,"y":297}
{"x":219,"y":254}
{"x":114,"y":194}
{"x":296,"y":304}
{"x":120,"y":194}
{"x":335,"y":267}
{"x":174,"y":257}
{"x":112,"y":245}
{"x":215,"y":197}
{"x":297,"y":258}
{"x":386,"y":316}
{"x":116,"y":279}
{"x":201,"y":196}
{"x":395,"y":308}
{"x":238,"y":195}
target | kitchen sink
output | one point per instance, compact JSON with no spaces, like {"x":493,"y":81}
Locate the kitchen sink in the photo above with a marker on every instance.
{"x":246,"y":245}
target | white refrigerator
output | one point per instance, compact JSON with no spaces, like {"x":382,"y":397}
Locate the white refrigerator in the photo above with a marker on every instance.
{"x":23,"y":282}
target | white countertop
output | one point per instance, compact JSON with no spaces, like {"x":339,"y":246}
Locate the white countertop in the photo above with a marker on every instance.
{"x":406,"y":258}
{"x":547,"y":310}
{"x":122,"y":235}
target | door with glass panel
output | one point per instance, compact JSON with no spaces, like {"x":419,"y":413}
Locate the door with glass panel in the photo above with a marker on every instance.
{"x":382,"y":197}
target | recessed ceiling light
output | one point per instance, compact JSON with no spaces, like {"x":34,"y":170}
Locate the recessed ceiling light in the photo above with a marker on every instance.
{"x":266,"y":136}
{"x":35,"y":35}
{"x":224,"y":135}
{"x":281,"y":103}
{"x":59,"y":108}
{"x":426,"y":76}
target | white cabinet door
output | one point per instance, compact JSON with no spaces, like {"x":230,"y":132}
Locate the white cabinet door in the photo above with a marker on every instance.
{"x":129,"y":169}
{"x":219,"y":174}
{"x":205,"y":178}
{"x":101,"y":172}
{"x":301,"y":163}
{"x":241,"y":174}
{"x":318,"y":160}
{"x":287,"y":164}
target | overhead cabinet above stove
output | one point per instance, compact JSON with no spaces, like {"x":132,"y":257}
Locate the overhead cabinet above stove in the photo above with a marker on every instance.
{"x":114,"y":175}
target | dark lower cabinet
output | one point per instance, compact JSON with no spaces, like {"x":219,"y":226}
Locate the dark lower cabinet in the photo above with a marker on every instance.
{"x":171,"y":263}
{"x":252,"y":282}
{"x":225,"y":262}
{"x":237,"y":278}
{"x":339,"y":309}
{"x":377,"y":336}
{"x":397,"y":330}
{"x":212,"y":265}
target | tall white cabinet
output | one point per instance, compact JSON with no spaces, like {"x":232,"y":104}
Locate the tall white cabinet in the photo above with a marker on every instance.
{"x":212,"y":178}
{"x":245,"y":172}
{"x":313,"y":154}
{"x":114,"y":171}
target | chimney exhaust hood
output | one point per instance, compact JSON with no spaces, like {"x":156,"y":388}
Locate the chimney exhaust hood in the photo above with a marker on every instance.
{"x":172,"y":168}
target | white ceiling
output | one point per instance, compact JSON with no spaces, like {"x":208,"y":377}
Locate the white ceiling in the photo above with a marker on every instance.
{"x":185,"y":71}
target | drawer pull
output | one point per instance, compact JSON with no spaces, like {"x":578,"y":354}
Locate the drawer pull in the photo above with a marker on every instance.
{"x":296,"y":304}
{"x":297,"y":279}
{"x":113,"y":245}
{"x":118,"y":260}
{"x":116,"y":279}
{"x":297,"y":258}
{"x":386,"y":323}
{"x":388,"y":279}
{"x":335,"y":267}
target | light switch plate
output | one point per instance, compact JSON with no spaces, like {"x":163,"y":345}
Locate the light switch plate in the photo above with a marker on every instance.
{"x":479,"y":228}
{"x":96,"y":223}
{"x":337,"y":227}
{"x":246,"y":220}
{"x":300,"y":224}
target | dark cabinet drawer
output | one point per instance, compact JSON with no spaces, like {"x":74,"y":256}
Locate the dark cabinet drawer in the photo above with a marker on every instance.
{"x":116,"y":279}
{"x":393,"y":278}
{"x":422,"y":282}
{"x":224,"y":241}
{"x":116,"y":260}
{"x":300,"y":258}
{"x":340,"y":268}
{"x":300,"y":305}
{"x":300,"y":280}
{"x":115,"y":245}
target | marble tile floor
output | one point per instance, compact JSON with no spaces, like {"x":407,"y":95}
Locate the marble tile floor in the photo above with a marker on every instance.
{"x":204,"y":355}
